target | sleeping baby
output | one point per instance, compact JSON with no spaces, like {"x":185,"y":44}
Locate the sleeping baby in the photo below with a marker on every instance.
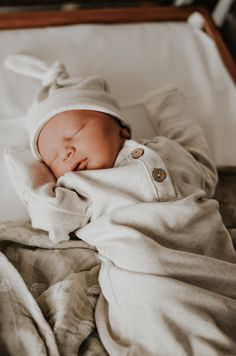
{"x":168,"y":265}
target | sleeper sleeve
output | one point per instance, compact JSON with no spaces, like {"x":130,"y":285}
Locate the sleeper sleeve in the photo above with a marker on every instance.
{"x":52,"y":208}
{"x":168,"y":113}
{"x":56,"y":209}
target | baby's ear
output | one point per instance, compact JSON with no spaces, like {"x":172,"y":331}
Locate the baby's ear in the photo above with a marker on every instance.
{"x":124,"y":132}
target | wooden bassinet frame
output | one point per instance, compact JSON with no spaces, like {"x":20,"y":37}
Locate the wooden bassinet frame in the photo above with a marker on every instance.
{"x":118,"y":15}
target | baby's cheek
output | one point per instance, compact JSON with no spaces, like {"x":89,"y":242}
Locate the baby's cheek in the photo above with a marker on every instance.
{"x":58,"y":171}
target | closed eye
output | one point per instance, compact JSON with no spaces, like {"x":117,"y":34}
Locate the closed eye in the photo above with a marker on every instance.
{"x":77,"y":131}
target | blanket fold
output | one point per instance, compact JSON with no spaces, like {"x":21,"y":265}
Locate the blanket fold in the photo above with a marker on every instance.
{"x":48,"y":294}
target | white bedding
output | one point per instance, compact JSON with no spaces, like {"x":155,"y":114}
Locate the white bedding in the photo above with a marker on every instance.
{"x":134,"y":58}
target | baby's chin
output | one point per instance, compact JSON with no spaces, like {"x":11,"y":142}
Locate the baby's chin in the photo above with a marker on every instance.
{"x":88,"y":166}
{"x":104,"y":165}
{"x":100,"y":163}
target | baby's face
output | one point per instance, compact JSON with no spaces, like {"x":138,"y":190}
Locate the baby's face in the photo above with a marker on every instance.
{"x":77,"y":140}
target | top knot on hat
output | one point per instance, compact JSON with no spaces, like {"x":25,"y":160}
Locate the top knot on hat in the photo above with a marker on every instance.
{"x":60,"y":93}
{"x":35,"y":68}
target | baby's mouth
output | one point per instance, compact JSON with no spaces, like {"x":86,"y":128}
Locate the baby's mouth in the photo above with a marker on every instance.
{"x":81,"y":166}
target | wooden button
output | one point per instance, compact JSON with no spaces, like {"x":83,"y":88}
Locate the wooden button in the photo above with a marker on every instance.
{"x":138,"y":152}
{"x":159,"y":174}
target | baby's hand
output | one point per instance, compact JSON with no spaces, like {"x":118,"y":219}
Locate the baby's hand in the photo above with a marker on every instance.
{"x":25,"y":171}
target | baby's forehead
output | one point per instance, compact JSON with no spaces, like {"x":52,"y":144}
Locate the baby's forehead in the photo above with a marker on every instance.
{"x":75,"y":116}
{"x":62,"y":121}
{"x":66,"y":123}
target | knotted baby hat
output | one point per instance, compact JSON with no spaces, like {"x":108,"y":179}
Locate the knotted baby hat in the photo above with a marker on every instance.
{"x":60,"y":93}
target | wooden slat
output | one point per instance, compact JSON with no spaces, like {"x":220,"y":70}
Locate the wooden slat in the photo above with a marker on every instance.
{"x":107,"y":16}
{"x":212,"y":31}
{"x":117,"y":15}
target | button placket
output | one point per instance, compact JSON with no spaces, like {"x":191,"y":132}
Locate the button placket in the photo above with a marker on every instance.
{"x":159,"y":174}
{"x":137,"y":152}
{"x":157,"y":171}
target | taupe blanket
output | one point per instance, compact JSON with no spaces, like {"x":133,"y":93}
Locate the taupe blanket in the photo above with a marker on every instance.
{"x":47,"y":295}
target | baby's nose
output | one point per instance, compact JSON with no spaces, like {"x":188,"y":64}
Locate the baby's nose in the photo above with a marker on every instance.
{"x":69,"y":152}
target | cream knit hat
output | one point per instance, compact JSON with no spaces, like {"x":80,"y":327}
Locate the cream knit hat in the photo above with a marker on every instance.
{"x":61,"y":93}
